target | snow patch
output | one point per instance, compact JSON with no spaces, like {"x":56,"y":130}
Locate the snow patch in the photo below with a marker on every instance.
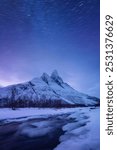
{"x":26,"y":113}
{"x":84,"y":134}
{"x":36,"y":129}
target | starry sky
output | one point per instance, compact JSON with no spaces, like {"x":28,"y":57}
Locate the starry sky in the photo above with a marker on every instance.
{"x":39,"y":36}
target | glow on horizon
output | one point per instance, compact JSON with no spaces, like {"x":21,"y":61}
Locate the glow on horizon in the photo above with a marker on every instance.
{"x":71,"y":79}
{"x":40,"y":36}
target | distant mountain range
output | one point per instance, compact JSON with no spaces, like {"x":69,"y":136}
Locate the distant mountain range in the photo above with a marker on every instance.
{"x":46,"y":91}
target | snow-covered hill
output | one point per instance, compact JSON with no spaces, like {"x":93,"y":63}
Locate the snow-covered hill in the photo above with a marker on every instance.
{"x":46,"y":89}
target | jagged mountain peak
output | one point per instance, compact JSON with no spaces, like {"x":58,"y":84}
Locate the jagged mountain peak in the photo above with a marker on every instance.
{"x":55,"y":73}
{"x":55,"y":76}
{"x":45,"y":75}
{"x":46,"y":78}
{"x":45,"y":88}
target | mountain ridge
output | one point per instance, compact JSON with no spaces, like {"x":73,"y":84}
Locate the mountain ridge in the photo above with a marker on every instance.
{"x":45,"y":89}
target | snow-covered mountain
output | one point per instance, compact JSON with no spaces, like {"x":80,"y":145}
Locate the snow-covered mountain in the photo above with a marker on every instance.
{"x":45,"y":89}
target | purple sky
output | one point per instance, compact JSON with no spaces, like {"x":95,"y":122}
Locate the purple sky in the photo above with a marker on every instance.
{"x":39,"y":36}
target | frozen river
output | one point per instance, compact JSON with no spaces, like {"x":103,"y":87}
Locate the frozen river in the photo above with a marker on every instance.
{"x":50,"y":129}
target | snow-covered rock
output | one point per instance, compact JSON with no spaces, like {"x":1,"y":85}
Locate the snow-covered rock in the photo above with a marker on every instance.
{"x":46,"y":88}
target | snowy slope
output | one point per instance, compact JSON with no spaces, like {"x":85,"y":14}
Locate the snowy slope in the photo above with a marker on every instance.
{"x":46,"y":88}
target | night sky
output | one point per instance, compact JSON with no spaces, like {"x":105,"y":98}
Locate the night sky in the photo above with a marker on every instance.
{"x":39,"y":36}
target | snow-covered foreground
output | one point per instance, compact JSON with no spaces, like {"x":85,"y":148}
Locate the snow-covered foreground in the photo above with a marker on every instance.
{"x":84,"y":134}
{"x":75,"y":128}
{"x":21,"y":114}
